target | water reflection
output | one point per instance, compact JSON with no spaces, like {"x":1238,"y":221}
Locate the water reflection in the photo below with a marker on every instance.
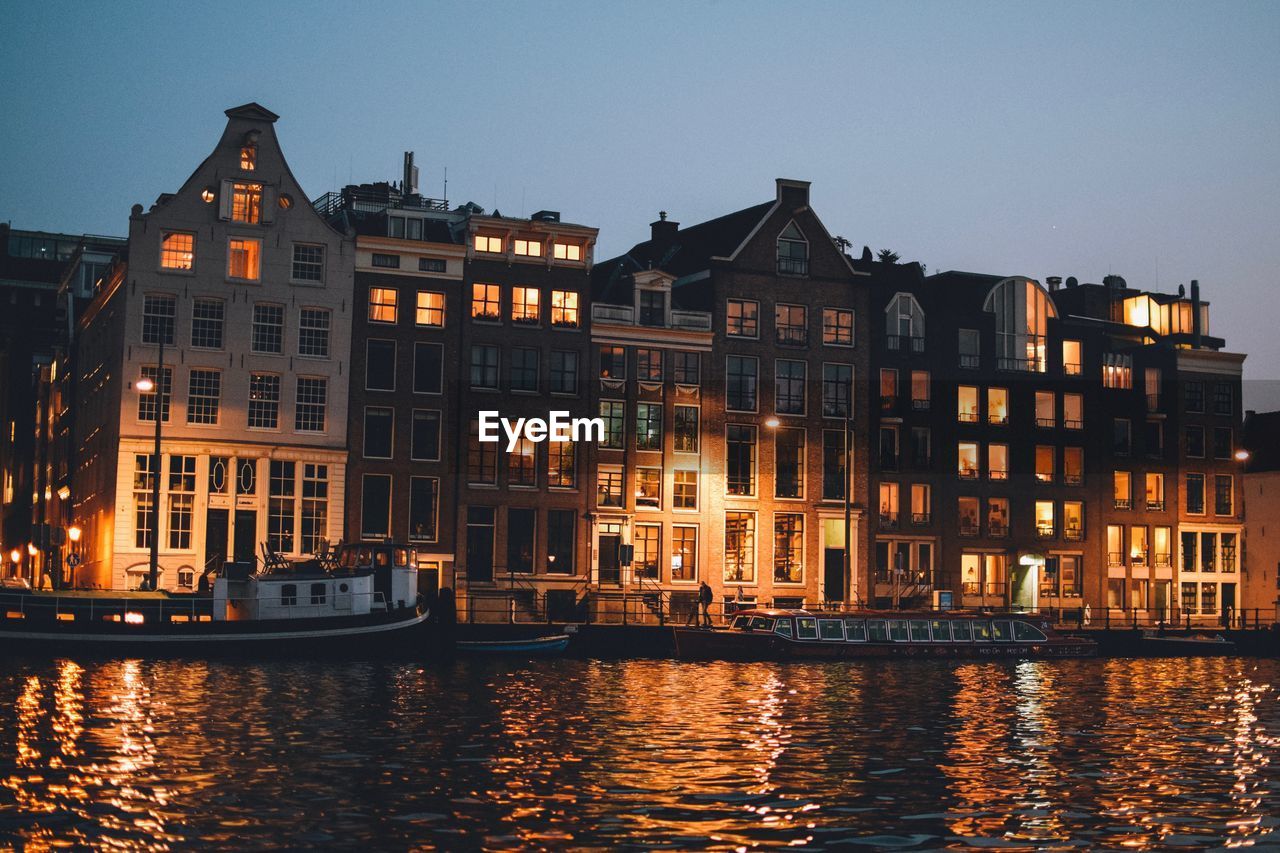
{"x":1136,"y":754}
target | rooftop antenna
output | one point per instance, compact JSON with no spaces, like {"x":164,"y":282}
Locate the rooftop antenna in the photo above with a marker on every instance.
{"x":446,"y":183}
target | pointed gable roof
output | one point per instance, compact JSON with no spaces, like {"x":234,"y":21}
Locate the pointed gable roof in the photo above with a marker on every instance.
{"x":253,"y":111}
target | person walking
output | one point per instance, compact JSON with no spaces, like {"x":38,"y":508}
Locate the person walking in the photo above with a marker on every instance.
{"x":704,"y":600}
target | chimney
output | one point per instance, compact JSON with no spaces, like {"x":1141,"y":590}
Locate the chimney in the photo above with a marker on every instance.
{"x":794,"y":193}
{"x":663,"y":230}
{"x":1055,"y":281}
{"x":1195,"y":314}
{"x":410,"y":185}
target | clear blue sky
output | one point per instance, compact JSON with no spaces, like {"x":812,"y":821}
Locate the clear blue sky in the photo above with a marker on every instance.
{"x":1021,"y":138}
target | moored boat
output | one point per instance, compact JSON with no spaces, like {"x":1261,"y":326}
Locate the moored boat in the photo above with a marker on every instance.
{"x":1185,"y":645}
{"x":552,"y":644}
{"x":805,"y":635}
{"x":364,"y":598}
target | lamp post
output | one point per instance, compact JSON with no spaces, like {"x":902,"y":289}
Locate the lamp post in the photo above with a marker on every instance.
{"x":144,"y":385}
{"x":848,"y":491}
{"x":73,"y":534}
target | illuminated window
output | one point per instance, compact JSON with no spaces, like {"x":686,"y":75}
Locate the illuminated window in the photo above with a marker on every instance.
{"x":424,"y":505}
{"x":686,"y":429}
{"x":1123,"y":489}
{"x":1022,"y":308}
{"x":1155,"y":491}
{"x":1073,"y":465}
{"x":525,"y":305}
{"x":648,"y":488}
{"x":383,"y":303}
{"x":742,"y":317}
{"x":522,"y":461}
{"x":430,"y":309}
{"x":564,"y":309}
{"x":248,"y":158}
{"x":177,"y":250}
{"x":567,"y":252}
{"x":1072,"y":364}
{"x":685,"y":490}
{"x":837,"y":327}
{"x":998,"y":517}
{"x":788,"y":547}
{"x":1046,"y":416}
{"x":1117,"y":371}
{"x":647,"y":540}
{"x":791,"y":323}
{"x":920,"y":503}
{"x":648,"y":426}
{"x":920,"y":388}
{"x":488,"y":244}
{"x":486,"y":301}
{"x":1045,"y":527}
{"x":998,"y":461}
{"x":739,"y":547}
{"x":281,"y":491}
{"x":998,"y":405}
{"x":1073,"y":411}
{"x":967,"y":508}
{"x":967,"y":460}
{"x":889,"y":497}
{"x":1073,"y":520}
{"x":264,"y":401}
{"x":609,"y":486}
{"x":967,"y":404}
{"x":684,"y":553}
{"x":562,"y":470}
{"x":528,"y":248}
{"x":144,"y":517}
{"x":246,"y":202}
{"x":649,"y":364}
{"x":1044,"y":463}
{"x":244,"y":259}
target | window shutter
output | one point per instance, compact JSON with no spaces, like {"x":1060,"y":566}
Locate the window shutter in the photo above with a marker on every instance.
{"x":268,"y":204}
{"x":224,"y":201}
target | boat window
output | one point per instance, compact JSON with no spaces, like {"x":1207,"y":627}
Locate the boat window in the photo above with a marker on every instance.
{"x":1001,"y":631}
{"x":761,"y":623}
{"x":960,"y":631}
{"x":919,"y":630}
{"x":855,"y":630}
{"x":1023,"y":631}
{"x":941,"y":629}
{"x":898,"y":630}
{"x":806,"y":628}
{"x":741,"y":623}
{"x":877,"y":630}
{"x":831,"y":629}
{"x":382,"y":557}
{"x":981,"y":630}
{"x":364,"y":558}
{"x":783,"y":627}
{"x":348,"y":558}
{"x":319,"y":593}
{"x":402,"y":556}
{"x":288,"y":595}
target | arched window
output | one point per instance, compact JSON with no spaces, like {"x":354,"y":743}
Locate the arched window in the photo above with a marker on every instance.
{"x":904,"y":323}
{"x":793,"y":251}
{"x":1022,"y":308}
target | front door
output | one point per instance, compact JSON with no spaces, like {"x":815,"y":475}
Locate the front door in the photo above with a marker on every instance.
{"x":1024,"y":587}
{"x":610,"y":569}
{"x":245,"y":547}
{"x":215,"y":538}
{"x":833,"y":574}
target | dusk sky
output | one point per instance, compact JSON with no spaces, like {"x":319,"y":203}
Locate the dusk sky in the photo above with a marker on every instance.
{"x":1022,"y":138}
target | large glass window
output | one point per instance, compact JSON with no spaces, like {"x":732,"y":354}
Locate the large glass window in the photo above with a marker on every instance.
{"x":424,"y":440}
{"x":741,"y":458}
{"x":837,"y":389}
{"x":521,"y":527}
{"x":793,"y":251}
{"x":182,"y":496}
{"x":789,"y":387}
{"x":685,"y":490}
{"x":430,"y":309}
{"x":562,"y":534}
{"x":788,"y":547}
{"x":564,"y":372}
{"x":315,"y":506}
{"x":789,"y":445}
{"x":684,"y":553}
{"x":428,"y":368}
{"x":648,"y":488}
{"x":378,"y":432}
{"x":486,"y":303}
{"x":308,"y":262}
{"x":741,"y":375}
{"x":609,"y":486}
{"x":837,"y":327}
{"x":1223,"y":494}
{"x":204,"y":394}
{"x":313,"y":333}
{"x":792,"y":325}
{"x":244,"y":259}
{"x":833,"y":465}
{"x":904,"y":322}
{"x":264,"y":401}
{"x":742,"y":317}
{"x":281,"y":496}
{"x":686,"y":429}
{"x":158,"y":313}
{"x":268,"y":328}
{"x":562,"y":470}
{"x":522,"y":468}
{"x":482,"y":458}
{"x":177,"y":250}
{"x":424,"y":508}
{"x":613,"y":413}
{"x":739,"y":547}
{"x":375,"y":506}
{"x":526,"y":309}
{"x":564,"y":309}
{"x":1022,"y":310}
{"x":311,"y":403}
{"x":484,"y":367}
{"x":207,"y":323}
{"x":1195,"y":494}
{"x":686,"y":367}
{"x":379,"y":365}
{"x":648,"y":426}
{"x":524,"y":369}
{"x":246,"y":202}
{"x":648,"y":550}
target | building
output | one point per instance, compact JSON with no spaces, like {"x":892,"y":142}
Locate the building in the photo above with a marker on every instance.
{"x":1260,"y":583}
{"x":1052,"y":446}
{"x":725,"y":357}
{"x":234,"y":300}
{"x":463,"y":312}
{"x":34,"y":266}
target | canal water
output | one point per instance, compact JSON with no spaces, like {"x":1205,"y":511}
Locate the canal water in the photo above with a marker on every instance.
{"x":572,"y":753}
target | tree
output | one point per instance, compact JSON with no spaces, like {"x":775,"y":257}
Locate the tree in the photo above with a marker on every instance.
{"x":887,"y":256}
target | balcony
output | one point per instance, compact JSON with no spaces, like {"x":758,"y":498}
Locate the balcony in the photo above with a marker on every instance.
{"x":1073,"y":479}
{"x":1072,"y":423}
{"x":997,"y":474}
{"x":1155,"y":506}
{"x":1072,"y":368}
{"x":1163,"y":561}
{"x":625,"y":315}
{"x":969,"y":361}
{"x":998,"y":420}
{"x":1115,"y":558}
{"x":792,"y":336}
{"x":888,"y":521}
{"x":910,"y":343}
{"x":1046,"y":423}
{"x":969,"y":528}
{"x":1123,"y":503}
{"x":968,"y":473}
{"x":996,"y":530}
{"x":889,"y":403}
{"x":920,"y":405}
{"x":919,"y":518}
{"x":967,"y":417}
{"x":1138,"y":558}
{"x":1044,"y":477}
{"x":1073,"y":533}
{"x":1045,"y":531}
{"x":793,"y":266}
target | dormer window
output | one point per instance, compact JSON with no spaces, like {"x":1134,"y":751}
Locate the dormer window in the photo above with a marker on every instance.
{"x":793,"y":251}
{"x":246,"y":203}
{"x":652,"y":308}
{"x":904,"y":321}
{"x":249,"y":158}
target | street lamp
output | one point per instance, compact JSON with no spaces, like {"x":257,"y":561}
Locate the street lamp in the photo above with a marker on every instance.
{"x":16,"y":556}
{"x":32,"y":549}
{"x":146,"y":385}
{"x":74,"y":533}
{"x":1242,"y":455}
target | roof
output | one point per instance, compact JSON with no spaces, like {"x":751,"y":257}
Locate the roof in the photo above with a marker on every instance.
{"x":680,"y":252}
{"x":253,"y":111}
{"x":1260,"y":430}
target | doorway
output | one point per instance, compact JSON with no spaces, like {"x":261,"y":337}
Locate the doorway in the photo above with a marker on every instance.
{"x":608,"y":544}
{"x":833,"y":579}
{"x":245,"y":548}
{"x":215,"y":538}
{"x":1024,"y":584}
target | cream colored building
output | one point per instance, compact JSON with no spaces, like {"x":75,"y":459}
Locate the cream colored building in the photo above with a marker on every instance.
{"x":1260,"y":597}
{"x":236,"y":295}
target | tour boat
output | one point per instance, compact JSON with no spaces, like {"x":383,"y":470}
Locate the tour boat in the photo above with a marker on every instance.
{"x":359,"y":598}
{"x":805,"y":635}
